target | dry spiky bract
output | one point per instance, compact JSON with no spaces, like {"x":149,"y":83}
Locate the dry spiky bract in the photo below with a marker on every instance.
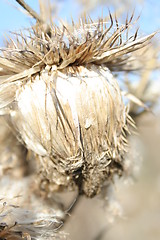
{"x":63,"y":101}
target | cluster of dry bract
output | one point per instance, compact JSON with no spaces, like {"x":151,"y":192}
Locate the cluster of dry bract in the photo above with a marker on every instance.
{"x":64,"y":124}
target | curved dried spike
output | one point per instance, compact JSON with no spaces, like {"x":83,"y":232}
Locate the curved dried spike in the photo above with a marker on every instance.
{"x":111,"y":25}
{"x":131,"y":18}
{"x":136,"y":34}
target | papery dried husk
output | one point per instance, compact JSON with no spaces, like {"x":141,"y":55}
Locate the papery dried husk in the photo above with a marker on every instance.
{"x":74,"y":120}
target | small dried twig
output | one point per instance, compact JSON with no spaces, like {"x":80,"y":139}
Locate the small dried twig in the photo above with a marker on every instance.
{"x":30,"y":10}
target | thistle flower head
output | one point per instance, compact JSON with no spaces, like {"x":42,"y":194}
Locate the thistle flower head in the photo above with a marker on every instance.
{"x":64,"y":102}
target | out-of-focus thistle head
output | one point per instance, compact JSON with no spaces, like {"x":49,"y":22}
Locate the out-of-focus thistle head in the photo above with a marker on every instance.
{"x":57,"y":88}
{"x":23,"y":217}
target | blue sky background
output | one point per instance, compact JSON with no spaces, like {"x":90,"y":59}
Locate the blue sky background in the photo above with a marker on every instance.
{"x":12,"y":19}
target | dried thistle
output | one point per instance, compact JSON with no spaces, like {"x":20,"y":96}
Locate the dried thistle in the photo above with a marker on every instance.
{"x":21,"y":212}
{"x":22,"y":215}
{"x":63,"y":101}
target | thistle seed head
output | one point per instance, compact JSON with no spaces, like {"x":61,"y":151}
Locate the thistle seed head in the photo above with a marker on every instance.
{"x":74,"y":120}
{"x":64,"y":102}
